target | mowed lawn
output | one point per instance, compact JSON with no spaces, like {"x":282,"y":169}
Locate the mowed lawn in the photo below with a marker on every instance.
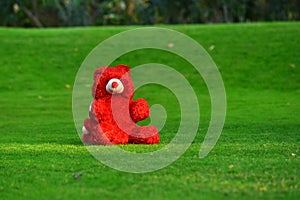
{"x":256,"y":157}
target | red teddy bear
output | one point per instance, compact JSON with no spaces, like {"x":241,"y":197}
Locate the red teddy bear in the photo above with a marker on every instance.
{"x":113,"y":113}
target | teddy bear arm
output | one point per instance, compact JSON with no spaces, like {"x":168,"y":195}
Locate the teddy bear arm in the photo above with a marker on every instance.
{"x":139,"y":110}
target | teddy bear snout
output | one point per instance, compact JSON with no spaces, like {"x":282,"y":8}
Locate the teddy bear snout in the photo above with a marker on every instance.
{"x":114,"y":86}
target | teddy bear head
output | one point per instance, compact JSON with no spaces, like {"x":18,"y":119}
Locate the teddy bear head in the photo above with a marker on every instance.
{"x":110,"y":81}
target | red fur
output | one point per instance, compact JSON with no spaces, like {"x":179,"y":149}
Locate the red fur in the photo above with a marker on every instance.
{"x":113,"y":117}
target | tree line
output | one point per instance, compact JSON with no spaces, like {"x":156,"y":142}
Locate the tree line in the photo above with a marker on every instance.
{"x":55,"y":13}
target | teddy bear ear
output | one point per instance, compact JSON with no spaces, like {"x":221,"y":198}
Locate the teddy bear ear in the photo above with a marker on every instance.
{"x":98,"y":72}
{"x":124,"y":67}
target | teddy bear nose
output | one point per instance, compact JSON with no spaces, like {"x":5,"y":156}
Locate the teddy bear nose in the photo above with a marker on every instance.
{"x":114,"y":84}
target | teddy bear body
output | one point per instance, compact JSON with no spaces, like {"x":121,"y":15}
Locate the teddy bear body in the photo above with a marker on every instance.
{"x":114,"y":114}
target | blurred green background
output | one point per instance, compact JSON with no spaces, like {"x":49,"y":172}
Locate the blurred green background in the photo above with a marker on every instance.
{"x":56,"y":13}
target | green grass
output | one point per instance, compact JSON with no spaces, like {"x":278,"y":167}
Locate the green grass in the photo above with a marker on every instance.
{"x":256,"y":157}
